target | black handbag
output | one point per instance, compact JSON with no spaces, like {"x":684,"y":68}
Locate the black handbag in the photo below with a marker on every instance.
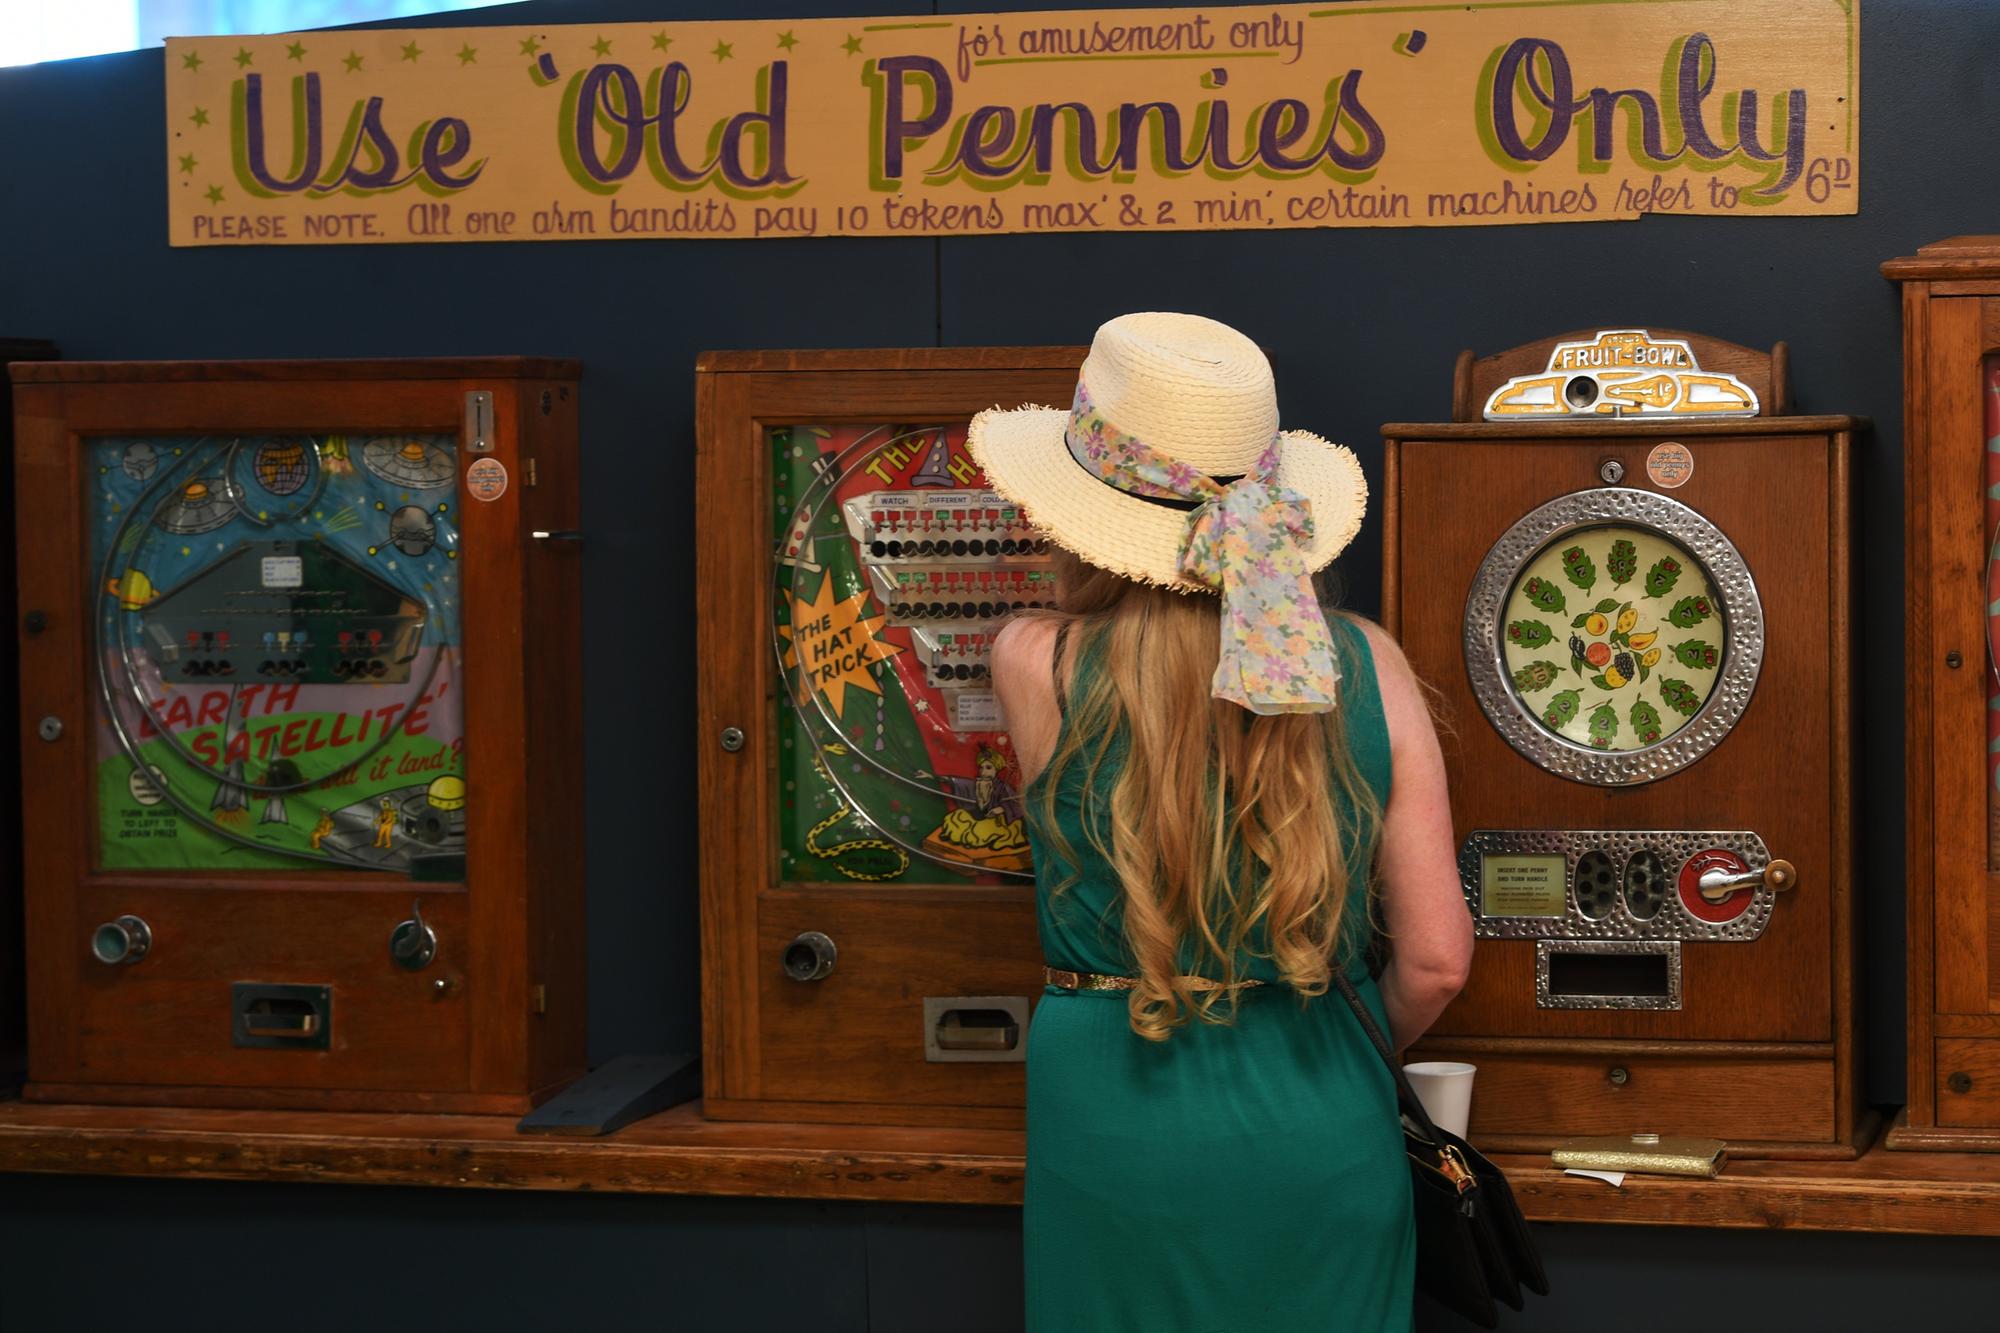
{"x":1473,"y":1247}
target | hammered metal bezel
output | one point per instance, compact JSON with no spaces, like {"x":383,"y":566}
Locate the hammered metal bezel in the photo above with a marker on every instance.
{"x":1742,"y":612}
{"x":1673,"y":921}
{"x":1670,"y":949}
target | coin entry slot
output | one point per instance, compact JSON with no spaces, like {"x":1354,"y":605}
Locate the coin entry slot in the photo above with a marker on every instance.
{"x":272,"y":1016}
{"x":975,"y":1027}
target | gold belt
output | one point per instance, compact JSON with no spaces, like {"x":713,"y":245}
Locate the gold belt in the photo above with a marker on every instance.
{"x":1066,"y":980}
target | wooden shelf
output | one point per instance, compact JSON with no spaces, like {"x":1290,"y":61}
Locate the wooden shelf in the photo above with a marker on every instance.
{"x":678,"y":1152}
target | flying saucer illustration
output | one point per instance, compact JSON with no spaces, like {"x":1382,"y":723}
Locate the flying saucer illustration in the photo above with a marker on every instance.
{"x":281,"y":467}
{"x":140,"y":461}
{"x":412,"y":530}
{"x":408,"y":463}
{"x":202,"y":505}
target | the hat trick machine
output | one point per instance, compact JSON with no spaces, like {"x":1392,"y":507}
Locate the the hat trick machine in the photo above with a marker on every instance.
{"x":1641,"y":633}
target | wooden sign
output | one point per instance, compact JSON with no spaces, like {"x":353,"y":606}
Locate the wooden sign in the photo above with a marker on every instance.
{"x":1197,"y":118}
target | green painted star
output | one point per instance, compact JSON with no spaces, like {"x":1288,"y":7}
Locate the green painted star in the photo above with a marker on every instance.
{"x":786,"y":41}
{"x":529,"y":46}
{"x":722,"y":51}
{"x":187,"y":163}
{"x":602,"y":47}
{"x":661,"y":41}
{"x":468,"y":54}
{"x":191,"y":61}
{"x":242,"y":56}
{"x":200,"y":117}
{"x":214,"y":193}
{"x":295,"y":51}
{"x":852,"y":45}
{"x":353,"y":61}
{"x":411,"y":51}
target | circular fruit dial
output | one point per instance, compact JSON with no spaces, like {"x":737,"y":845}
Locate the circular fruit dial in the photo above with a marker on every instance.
{"x":1613,"y":637}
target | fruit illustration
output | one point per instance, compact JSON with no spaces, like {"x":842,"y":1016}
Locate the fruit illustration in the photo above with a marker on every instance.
{"x":1624,"y":665}
{"x":1603,"y":725}
{"x":1689,"y":612}
{"x":1543,"y":595}
{"x":1597,"y":654}
{"x":1536,"y":676}
{"x":1651,"y":658}
{"x":1529,"y":633}
{"x":1679,"y":696}
{"x":1662,"y":577}
{"x":1611,"y":679}
{"x":1593,"y":625}
{"x":1562,"y":709}
{"x":1695,"y":653}
{"x":1578,"y":569}
{"x":1622,"y":563}
{"x":1641,"y":642}
{"x":1645,"y":722}
{"x":1626,"y":620}
{"x":1577,"y":648}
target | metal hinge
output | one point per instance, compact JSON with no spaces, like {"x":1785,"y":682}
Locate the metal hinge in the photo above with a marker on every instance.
{"x":528,"y":466}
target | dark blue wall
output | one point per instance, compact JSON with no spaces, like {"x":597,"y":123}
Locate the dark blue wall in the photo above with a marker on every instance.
{"x":1363,"y":326}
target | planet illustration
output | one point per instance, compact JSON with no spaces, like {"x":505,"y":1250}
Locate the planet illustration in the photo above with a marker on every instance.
{"x":446,"y":793}
{"x":411,"y":463}
{"x":133,"y":591}
{"x":202,"y":505}
{"x":141,"y":460}
{"x":281,"y":467}
{"x":412,"y":530}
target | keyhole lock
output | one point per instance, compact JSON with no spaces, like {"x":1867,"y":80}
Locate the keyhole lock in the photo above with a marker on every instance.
{"x":1611,"y":471}
{"x":1619,"y":1076}
{"x":49,"y":728}
{"x":732,"y":739}
{"x":1954,"y":659}
{"x":1960,"y":1082}
{"x":412,"y":944}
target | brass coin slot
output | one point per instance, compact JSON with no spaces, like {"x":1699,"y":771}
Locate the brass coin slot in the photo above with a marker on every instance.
{"x":280,"y":1016}
{"x":975,"y":1027}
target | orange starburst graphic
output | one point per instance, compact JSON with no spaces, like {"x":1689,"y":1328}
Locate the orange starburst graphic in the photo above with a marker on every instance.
{"x":831,"y":645}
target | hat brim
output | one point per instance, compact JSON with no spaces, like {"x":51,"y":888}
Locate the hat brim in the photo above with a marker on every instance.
{"x":1025,"y":458}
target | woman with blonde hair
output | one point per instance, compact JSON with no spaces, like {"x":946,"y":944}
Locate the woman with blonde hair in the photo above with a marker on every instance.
{"x":1227,"y":793}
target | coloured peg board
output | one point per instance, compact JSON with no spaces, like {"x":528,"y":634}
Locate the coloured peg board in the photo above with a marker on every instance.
{"x":296,"y":836}
{"x":894,"y":579}
{"x":869,"y":949}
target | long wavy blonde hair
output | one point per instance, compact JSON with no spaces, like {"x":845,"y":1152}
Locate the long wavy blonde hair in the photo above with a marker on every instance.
{"x":1227,"y":829}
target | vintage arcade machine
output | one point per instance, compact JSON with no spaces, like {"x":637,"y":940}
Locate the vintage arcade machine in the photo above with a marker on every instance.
{"x":295,"y":835}
{"x":868,"y":934}
{"x":1626,"y":571}
{"x":1951,"y":444}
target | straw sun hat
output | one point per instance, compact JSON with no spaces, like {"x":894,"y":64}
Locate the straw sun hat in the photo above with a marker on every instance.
{"x":1193,"y":390}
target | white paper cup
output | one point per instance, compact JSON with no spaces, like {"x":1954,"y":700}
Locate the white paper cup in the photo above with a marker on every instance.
{"x":1445,"y":1089}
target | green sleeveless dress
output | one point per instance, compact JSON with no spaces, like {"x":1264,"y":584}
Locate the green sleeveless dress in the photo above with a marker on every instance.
{"x":1245,"y":1178}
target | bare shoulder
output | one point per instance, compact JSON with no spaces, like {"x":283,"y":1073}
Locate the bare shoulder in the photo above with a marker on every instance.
{"x":1023,"y":661}
{"x":1025,"y":640}
{"x":1404,"y":705}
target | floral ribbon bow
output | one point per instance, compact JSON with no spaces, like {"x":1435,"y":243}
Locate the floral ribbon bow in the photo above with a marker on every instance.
{"x":1245,"y":539}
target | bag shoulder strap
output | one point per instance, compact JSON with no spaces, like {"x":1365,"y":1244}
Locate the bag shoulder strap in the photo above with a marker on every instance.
{"x":1406,"y":1096}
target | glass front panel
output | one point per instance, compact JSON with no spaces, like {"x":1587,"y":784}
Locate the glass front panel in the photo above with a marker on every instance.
{"x":1613,"y":637}
{"x":893,"y":571}
{"x":278,"y":653}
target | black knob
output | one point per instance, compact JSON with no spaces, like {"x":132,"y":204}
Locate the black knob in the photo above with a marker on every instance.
{"x":810,"y":957}
{"x":35,"y":622}
{"x":1959,"y":1082}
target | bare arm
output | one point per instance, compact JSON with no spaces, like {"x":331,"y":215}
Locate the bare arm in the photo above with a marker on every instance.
{"x":1423,"y":907}
{"x":1023,"y":664}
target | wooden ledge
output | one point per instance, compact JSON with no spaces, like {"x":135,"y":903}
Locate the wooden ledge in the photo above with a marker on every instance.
{"x":678,"y":1152}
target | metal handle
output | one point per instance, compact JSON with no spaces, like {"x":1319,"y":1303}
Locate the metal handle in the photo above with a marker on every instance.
{"x":413,"y":943}
{"x":289,"y":1026}
{"x":1718,"y":885}
{"x":126,"y":940}
{"x":556,"y":535}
